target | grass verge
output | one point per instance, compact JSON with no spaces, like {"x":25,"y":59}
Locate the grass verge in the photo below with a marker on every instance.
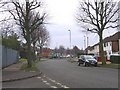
{"x":22,"y":60}
{"x":111,"y":65}
{"x":71,"y":61}
{"x":34,"y":68}
{"x":24,"y":67}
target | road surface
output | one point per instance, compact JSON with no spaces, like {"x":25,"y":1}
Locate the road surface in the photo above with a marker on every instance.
{"x":59,"y":73}
{"x":73,"y":76}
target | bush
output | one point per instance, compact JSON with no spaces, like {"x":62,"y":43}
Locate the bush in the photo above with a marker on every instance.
{"x":115,"y":59}
{"x":23,"y":53}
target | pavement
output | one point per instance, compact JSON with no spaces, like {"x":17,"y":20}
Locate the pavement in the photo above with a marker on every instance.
{"x":13,"y":73}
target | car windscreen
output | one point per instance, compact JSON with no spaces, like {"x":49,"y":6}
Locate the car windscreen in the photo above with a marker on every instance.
{"x":89,"y":57}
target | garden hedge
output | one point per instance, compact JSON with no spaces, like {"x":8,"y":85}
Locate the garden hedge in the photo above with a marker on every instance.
{"x":115,"y":59}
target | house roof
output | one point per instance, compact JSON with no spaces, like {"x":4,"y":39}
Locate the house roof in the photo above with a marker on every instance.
{"x":89,"y":48}
{"x":114,"y":37}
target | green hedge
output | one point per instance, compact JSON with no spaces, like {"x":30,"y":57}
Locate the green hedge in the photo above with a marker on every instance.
{"x":115,"y":59}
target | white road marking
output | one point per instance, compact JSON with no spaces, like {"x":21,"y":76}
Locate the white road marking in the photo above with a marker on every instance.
{"x":55,"y":82}
{"x":48,"y":83}
{"x":45,"y":81}
{"x":66,"y":87}
{"x":39,"y":77}
{"x":58,"y":83}
{"x":53,"y":87}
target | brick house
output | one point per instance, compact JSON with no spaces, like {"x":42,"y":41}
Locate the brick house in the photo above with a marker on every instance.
{"x":46,"y":52}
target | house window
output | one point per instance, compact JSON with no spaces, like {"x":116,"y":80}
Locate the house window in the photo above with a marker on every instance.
{"x":110,"y":44}
{"x":104,"y":44}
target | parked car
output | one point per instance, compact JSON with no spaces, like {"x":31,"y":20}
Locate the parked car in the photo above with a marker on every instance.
{"x":87,"y":60}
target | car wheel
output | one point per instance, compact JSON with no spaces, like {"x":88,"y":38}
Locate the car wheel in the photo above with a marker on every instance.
{"x":95,"y":65}
{"x":88,"y":64}
{"x":85,"y":64}
{"x":78,"y":63}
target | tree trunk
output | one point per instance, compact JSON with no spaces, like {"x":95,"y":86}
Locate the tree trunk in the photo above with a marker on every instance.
{"x":101,"y":50}
{"x":34,"y":51}
{"x":28,"y":35}
{"x":29,"y":52}
{"x":40,"y":53}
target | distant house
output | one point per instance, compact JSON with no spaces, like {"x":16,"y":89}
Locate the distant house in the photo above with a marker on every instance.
{"x":75,"y":50}
{"x":111,"y":45}
{"x":46,"y":52}
{"x":93,"y":49}
{"x":90,"y":49}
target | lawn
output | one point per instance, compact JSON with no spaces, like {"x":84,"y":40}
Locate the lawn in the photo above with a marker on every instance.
{"x":109,"y":65}
{"x":24,"y":67}
{"x":33,"y":68}
{"x":22,"y":60}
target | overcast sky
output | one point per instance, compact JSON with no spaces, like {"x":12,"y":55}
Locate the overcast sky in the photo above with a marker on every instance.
{"x":62,"y":18}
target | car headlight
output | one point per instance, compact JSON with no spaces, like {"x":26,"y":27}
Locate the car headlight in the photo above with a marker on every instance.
{"x":87,"y":61}
{"x":95,"y":60}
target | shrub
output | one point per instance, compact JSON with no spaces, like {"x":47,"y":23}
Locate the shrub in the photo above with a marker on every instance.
{"x":115,"y":59}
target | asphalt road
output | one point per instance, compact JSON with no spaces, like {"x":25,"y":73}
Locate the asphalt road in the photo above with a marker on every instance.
{"x":73,"y":76}
{"x":63,"y":74}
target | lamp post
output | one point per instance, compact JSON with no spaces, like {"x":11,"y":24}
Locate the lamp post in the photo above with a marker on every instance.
{"x":70,"y":43}
{"x":87,"y":40}
{"x":84,"y":43}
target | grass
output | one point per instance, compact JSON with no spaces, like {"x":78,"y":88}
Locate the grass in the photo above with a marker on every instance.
{"x":106,"y":62}
{"x":22,"y":60}
{"x":71,"y":61}
{"x":110,"y":65}
{"x":34,"y":68}
{"x":40,"y":61}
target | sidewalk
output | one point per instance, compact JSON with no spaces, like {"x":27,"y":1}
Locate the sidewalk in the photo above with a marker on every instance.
{"x":13,"y":73}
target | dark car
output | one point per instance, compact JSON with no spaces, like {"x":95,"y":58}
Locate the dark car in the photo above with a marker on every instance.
{"x":87,"y":60}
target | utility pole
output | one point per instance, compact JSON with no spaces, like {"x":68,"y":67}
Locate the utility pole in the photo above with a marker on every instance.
{"x":84,"y":43}
{"x":70,"y":43}
{"x":87,"y":39}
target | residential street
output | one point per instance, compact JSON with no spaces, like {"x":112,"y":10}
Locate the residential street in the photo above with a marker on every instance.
{"x":74,"y":76}
{"x":60,"y":44}
{"x":63,"y":74}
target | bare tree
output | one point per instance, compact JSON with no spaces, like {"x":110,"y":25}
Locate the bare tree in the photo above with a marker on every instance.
{"x":25,"y":16}
{"x":34,"y":39}
{"x":43,"y":38}
{"x":99,"y":15}
{"x":6,"y":29}
{"x":40,"y":38}
{"x":61,"y":50}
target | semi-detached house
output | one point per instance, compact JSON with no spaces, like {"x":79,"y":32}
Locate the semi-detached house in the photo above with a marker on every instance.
{"x":111,"y":45}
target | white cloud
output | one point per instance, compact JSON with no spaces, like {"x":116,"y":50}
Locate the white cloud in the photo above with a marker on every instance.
{"x":62,"y":11}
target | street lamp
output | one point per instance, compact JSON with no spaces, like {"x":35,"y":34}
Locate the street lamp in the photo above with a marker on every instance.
{"x":70,"y":42}
{"x":86,"y":40}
